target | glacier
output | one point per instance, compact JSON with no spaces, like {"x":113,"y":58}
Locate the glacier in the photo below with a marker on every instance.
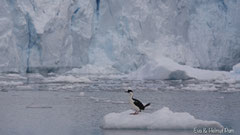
{"x":119,"y":36}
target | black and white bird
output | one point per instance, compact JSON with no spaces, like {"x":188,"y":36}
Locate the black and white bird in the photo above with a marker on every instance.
{"x":136,"y":104}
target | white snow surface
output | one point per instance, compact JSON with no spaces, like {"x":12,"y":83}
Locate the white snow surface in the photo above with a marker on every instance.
{"x":160,"y":119}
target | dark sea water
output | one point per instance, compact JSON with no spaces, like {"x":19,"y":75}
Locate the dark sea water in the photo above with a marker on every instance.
{"x":33,"y":106}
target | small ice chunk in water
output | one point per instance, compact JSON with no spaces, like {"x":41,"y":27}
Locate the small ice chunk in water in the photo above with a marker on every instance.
{"x":81,"y":94}
{"x":68,"y":78}
{"x":160,"y":119}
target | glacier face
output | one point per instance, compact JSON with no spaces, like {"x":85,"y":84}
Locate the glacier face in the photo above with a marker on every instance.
{"x":50,"y":35}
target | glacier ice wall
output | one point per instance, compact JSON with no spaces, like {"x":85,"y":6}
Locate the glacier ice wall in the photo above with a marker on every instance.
{"x":47,"y":35}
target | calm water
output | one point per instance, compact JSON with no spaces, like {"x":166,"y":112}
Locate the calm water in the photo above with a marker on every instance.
{"x":32,"y":106}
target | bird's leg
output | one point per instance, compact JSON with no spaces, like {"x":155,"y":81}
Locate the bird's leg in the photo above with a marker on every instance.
{"x":135,"y":113}
{"x":132,"y":113}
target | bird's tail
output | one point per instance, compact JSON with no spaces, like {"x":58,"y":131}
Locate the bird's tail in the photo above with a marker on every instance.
{"x":147,"y":105}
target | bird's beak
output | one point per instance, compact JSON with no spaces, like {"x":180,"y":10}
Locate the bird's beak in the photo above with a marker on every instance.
{"x":126,"y":91}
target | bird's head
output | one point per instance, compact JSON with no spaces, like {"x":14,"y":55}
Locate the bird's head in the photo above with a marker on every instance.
{"x":129,"y":91}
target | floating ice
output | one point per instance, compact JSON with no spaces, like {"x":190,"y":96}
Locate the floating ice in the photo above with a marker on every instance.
{"x":160,"y":119}
{"x":11,"y":83}
{"x":16,"y":76}
{"x":200,"y":87}
{"x":236,"y":68}
{"x":165,"y":68}
{"x":81,"y":94}
{"x":93,"y":69}
{"x":236,"y":72}
{"x":105,"y":100}
{"x":67,"y":78}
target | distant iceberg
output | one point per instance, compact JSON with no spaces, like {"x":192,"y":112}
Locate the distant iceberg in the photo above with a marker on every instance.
{"x":161,"y":119}
{"x":236,"y":72}
{"x":165,"y":68}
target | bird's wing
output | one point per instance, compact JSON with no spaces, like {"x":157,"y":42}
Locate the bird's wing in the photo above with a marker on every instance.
{"x":138,"y":103}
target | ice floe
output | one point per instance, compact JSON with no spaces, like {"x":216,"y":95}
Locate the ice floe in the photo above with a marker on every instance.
{"x":81,"y":94}
{"x":67,"y":78}
{"x":236,"y":72}
{"x":11,"y":83}
{"x":160,"y":119}
{"x":165,"y":68}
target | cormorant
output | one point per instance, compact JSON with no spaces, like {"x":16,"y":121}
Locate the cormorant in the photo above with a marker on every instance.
{"x":136,"y":104}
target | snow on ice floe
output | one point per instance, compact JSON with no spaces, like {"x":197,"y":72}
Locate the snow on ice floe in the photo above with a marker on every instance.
{"x":160,"y":119}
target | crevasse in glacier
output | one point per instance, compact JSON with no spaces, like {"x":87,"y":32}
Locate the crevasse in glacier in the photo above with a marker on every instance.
{"x":49,"y":35}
